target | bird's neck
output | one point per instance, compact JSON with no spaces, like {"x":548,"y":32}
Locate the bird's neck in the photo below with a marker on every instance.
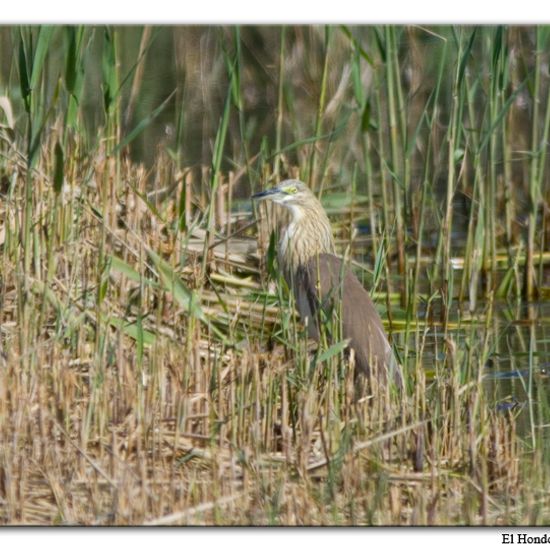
{"x":307,"y":235}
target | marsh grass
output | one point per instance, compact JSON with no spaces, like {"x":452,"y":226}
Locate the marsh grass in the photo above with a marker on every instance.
{"x":152,"y":368}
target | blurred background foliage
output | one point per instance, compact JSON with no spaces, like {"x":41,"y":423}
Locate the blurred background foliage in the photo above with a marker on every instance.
{"x":346,"y":65}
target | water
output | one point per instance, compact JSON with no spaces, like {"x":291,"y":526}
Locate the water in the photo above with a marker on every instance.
{"x":513,"y":352}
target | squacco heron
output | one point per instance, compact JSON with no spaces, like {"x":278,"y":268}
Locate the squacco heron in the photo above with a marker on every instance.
{"x":317,"y":277}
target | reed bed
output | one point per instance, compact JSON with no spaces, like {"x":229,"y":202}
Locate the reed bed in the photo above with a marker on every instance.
{"x":152,"y":368}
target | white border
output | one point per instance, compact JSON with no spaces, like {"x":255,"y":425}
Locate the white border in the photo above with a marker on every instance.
{"x":275,"y":11}
{"x":266,"y":539}
{"x":265,"y":12}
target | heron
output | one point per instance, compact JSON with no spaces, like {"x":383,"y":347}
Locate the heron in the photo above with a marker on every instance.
{"x":319,"y":278}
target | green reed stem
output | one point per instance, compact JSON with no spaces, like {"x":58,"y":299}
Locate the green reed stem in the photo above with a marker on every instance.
{"x":320,"y":111}
{"x":280,"y":105}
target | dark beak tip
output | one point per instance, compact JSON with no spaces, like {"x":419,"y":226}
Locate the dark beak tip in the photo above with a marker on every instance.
{"x":263,"y":194}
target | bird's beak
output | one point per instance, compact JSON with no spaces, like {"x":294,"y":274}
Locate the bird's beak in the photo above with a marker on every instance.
{"x":266,"y":194}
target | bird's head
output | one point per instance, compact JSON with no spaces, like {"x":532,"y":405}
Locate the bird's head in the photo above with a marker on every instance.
{"x":308,"y":230}
{"x":288,"y":193}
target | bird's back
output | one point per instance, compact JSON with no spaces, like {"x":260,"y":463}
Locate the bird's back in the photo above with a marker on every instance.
{"x":324,"y":281}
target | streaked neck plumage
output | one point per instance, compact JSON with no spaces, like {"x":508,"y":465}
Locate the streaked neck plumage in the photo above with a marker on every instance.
{"x":308,"y":234}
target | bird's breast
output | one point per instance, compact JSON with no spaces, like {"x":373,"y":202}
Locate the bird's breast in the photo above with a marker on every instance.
{"x":285,"y":243}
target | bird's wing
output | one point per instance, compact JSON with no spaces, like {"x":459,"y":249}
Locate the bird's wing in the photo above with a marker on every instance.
{"x":326,"y":281}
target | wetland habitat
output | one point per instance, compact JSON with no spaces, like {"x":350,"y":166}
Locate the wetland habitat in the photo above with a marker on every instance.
{"x":152,"y":368}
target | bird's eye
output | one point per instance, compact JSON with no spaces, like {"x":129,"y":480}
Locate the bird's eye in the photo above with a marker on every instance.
{"x":291,"y":190}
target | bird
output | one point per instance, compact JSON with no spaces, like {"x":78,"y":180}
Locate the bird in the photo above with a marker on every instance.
{"x":319,"y":279}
